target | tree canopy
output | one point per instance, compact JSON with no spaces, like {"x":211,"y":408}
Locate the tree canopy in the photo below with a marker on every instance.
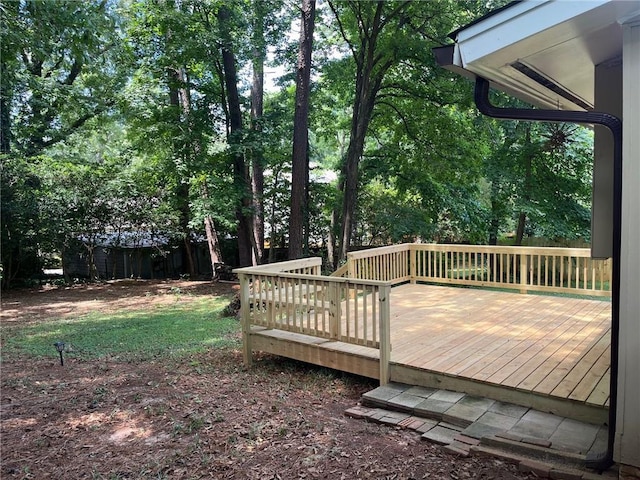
{"x":182,"y":120}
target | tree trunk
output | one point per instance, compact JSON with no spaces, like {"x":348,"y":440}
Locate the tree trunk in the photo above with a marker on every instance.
{"x":240,"y":174}
{"x":360,"y":124}
{"x":522,"y":216}
{"x":494,"y":225}
{"x":257,"y":102}
{"x":214,"y":245}
{"x":522,"y":220}
{"x":371,"y":68}
{"x":177,"y":100}
{"x":5,"y":117}
{"x":272,"y":220}
{"x":91,"y":264}
{"x":332,"y":257}
{"x":300,"y":156}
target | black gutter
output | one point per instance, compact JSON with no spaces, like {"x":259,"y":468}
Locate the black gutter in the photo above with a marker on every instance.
{"x":603,"y":461}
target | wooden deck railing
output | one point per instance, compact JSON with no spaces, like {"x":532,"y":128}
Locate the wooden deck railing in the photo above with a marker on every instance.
{"x":292,"y":296}
{"x":387,"y":264}
{"x":558,"y":270}
{"x":547,"y":269}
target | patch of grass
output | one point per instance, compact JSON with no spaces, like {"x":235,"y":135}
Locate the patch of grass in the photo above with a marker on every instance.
{"x":130,"y":335}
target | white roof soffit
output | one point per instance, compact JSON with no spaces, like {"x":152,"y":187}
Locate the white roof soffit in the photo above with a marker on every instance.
{"x":545,"y":51}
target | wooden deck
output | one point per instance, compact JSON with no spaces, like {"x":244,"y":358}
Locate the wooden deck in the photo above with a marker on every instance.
{"x":547,"y":352}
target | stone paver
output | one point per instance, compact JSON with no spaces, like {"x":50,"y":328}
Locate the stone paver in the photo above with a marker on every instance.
{"x":393,"y":418}
{"x":451,"y":426}
{"x":405,"y":401}
{"x":423,"y":392}
{"x":600,"y":444}
{"x":466,"y":440}
{"x":480,"y":430}
{"x":457,"y":448}
{"x":498,"y":420}
{"x":538,"y":468}
{"x":412,"y":423}
{"x":463,"y":415}
{"x":478,"y":402}
{"x":538,"y":442}
{"x":446,"y":396}
{"x":537,"y":424}
{"x":358,"y":412}
{"x":561,"y":474}
{"x":432,"y":408}
{"x":381,"y":395}
{"x":440,"y":435}
{"x":546,"y":445}
{"x":428,"y":425}
{"x":376,"y":414}
{"x":508,"y":409}
{"x":574,"y":436}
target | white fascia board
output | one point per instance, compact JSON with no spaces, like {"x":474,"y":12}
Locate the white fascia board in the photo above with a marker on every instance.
{"x":523,"y":21}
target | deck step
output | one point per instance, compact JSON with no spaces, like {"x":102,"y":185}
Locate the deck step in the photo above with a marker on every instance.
{"x":464,"y":425}
{"x":483,"y":418}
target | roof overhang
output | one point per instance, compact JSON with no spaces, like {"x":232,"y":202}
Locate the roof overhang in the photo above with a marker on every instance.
{"x":543,"y":51}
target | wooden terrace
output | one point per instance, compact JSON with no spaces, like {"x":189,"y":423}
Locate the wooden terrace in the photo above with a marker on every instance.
{"x":391,"y":313}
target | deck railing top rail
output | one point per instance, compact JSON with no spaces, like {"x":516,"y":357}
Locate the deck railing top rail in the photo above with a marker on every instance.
{"x":380,"y":250}
{"x":311,"y":263}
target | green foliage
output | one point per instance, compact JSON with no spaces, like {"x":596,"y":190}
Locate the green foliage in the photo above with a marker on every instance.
{"x":529,"y":172}
{"x":115,"y":119}
{"x":63,"y":68}
{"x":164,"y":331}
{"x":19,"y":219}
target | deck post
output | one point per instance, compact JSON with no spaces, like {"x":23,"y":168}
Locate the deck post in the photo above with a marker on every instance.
{"x":245,"y":312}
{"x":385,"y":333}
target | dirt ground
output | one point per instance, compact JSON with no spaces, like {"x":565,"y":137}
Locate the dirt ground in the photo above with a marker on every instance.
{"x":202,"y":416}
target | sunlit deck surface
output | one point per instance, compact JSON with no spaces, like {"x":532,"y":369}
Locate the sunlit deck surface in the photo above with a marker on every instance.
{"x":546,"y":352}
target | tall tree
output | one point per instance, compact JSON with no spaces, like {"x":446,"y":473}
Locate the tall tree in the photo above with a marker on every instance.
{"x":263,"y":20}
{"x":300,"y":156}
{"x":246,"y":239}
{"x":380,"y":36}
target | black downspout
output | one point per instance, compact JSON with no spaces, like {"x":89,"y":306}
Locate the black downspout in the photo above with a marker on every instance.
{"x":481,"y":96}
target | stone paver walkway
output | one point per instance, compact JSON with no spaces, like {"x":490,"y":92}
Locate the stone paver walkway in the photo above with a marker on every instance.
{"x":547,"y":445}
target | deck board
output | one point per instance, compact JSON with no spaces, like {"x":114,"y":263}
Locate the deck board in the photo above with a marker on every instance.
{"x":565,"y":350}
{"x":545,"y":344}
{"x":541,"y":349}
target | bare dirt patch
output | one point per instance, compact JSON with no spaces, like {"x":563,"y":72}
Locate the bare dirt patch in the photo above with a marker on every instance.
{"x":202,"y":416}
